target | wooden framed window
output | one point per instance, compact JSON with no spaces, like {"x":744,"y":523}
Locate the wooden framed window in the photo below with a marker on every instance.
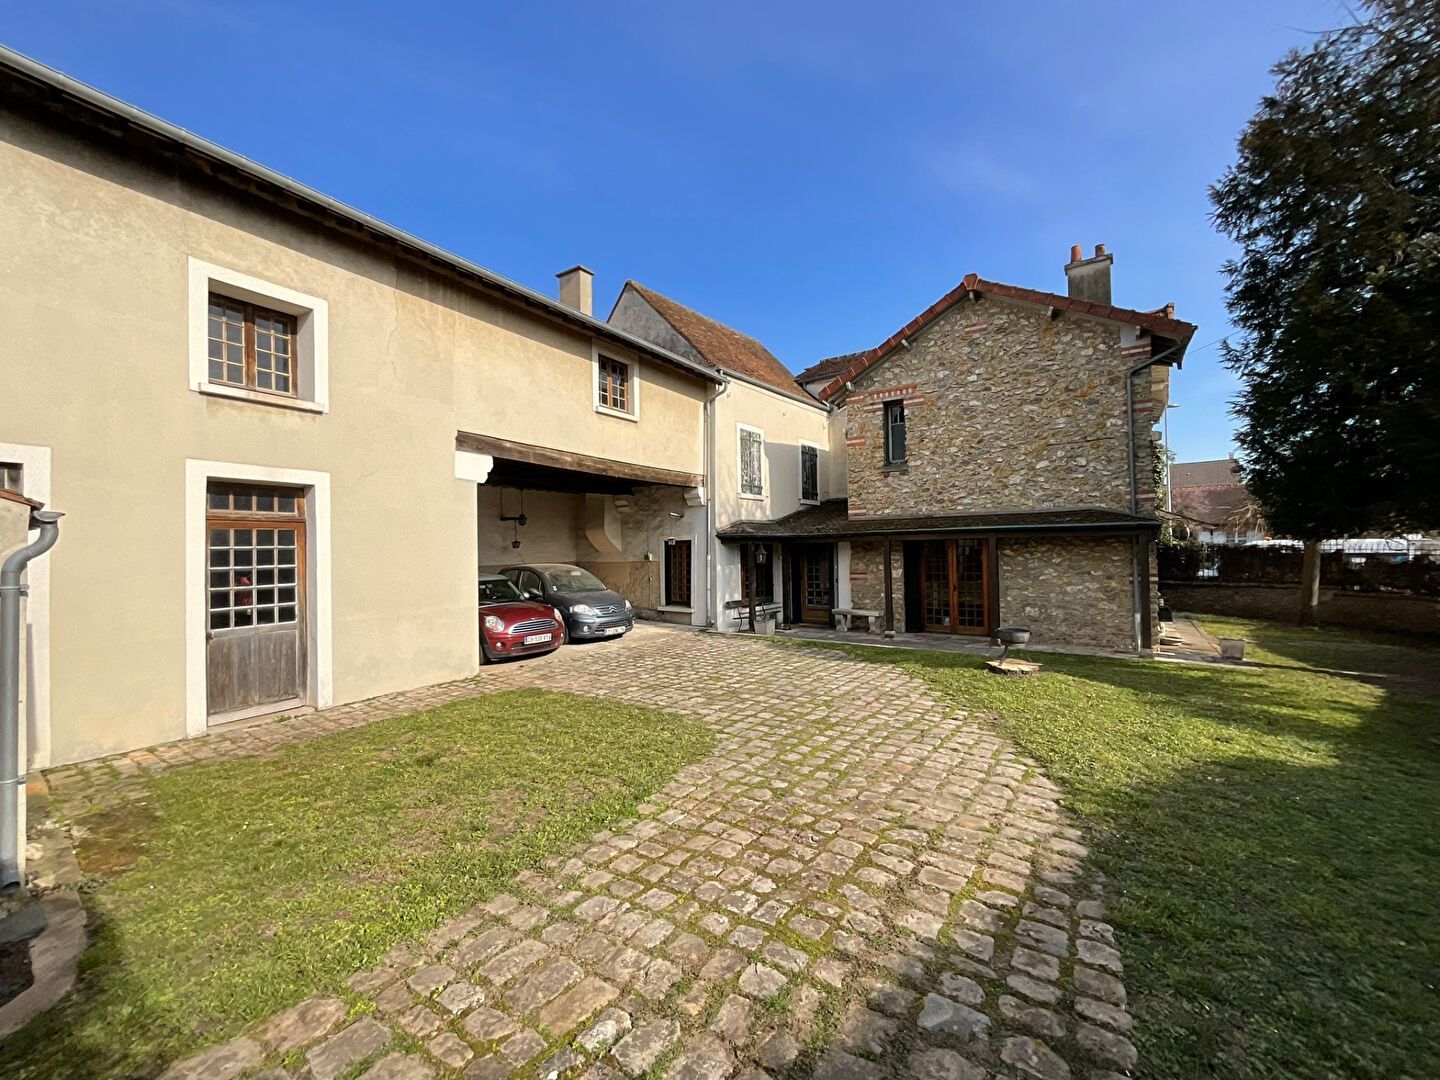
{"x":677,"y":573}
{"x":12,"y":477}
{"x":613,"y":390}
{"x":894,"y":433}
{"x":251,"y":346}
{"x":809,"y":473}
{"x":752,"y":462}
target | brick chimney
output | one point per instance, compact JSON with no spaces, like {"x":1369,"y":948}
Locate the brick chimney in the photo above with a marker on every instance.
{"x":1089,"y":279}
{"x":577,"y":289}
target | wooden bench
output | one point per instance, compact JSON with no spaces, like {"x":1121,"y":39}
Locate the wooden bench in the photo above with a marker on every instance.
{"x":844,"y":615}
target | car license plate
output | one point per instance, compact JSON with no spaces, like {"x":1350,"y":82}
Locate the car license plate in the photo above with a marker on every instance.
{"x":536,"y":639}
{"x":613,"y":630}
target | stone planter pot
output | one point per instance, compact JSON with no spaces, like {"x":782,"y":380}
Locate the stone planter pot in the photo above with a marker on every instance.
{"x":1232,"y":648}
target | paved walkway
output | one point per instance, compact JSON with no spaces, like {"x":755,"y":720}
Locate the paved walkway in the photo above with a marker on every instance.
{"x":859,"y":882}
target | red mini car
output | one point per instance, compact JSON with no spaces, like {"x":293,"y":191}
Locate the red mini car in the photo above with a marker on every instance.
{"x":510,"y":625}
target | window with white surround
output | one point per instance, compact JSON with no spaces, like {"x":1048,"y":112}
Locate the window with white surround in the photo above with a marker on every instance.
{"x":809,"y":473}
{"x":752,"y":462}
{"x":617,"y":392}
{"x":257,"y":340}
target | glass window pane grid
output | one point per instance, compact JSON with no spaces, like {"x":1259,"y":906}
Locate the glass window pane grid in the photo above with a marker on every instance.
{"x":614,"y":384}
{"x":250,"y":347}
{"x":244,"y":587}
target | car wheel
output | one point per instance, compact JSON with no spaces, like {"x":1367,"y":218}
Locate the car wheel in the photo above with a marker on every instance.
{"x":486,"y":656}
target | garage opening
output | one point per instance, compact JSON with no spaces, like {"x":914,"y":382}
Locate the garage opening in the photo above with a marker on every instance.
{"x":636,"y":533}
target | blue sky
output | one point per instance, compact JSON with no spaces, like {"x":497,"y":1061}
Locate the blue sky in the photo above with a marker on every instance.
{"x":813,"y":174}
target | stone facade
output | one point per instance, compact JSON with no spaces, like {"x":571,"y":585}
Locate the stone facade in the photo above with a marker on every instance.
{"x":1009,"y":409}
{"x":867,"y":578}
{"x":1069,"y":591}
{"x":1006,"y":409}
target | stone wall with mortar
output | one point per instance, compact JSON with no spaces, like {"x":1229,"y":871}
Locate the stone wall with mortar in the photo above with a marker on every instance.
{"x":1006,"y":409}
{"x":1069,"y":590}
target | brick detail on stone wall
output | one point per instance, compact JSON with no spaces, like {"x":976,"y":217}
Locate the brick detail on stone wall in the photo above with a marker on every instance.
{"x":1069,"y":591}
{"x":1029,"y":414}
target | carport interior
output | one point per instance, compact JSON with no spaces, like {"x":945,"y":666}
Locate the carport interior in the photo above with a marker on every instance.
{"x":622,"y":530}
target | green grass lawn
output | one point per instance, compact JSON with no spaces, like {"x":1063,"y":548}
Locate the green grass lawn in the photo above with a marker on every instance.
{"x":1271,"y":836}
{"x":256,"y":882}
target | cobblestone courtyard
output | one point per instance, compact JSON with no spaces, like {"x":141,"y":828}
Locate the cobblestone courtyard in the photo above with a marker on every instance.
{"x":858,"y":882}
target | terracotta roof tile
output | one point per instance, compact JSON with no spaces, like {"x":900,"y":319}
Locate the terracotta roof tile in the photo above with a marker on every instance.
{"x":830,"y":366}
{"x":721,"y":345}
{"x":1157,"y":322}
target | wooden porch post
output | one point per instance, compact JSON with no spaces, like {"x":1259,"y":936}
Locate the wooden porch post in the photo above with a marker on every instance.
{"x":889,"y":592}
{"x":754,"y":583}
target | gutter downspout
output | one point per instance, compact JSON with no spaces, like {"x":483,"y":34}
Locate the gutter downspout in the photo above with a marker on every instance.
{"x":1141,"y":618}
{"x":712,"y":617}
{"x":11,"y":774}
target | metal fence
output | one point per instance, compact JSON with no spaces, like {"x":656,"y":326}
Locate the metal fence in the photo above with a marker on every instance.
{"x":1237,"y":565}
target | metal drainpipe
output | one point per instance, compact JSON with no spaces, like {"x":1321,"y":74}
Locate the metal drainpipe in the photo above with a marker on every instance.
{"x":712,"y":618}
{"x":1134,"y":483}
{"x":10,"y":772}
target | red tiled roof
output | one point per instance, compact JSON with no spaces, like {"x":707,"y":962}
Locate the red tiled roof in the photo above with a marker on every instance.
{"x":719,"y":344}
{"x":1185,"y":474}
{"x":830,"y":366}
{"x":1155,"y":321}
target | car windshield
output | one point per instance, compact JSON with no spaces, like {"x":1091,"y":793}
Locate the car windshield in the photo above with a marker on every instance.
{"x":496,"y":590}
{"x":571,"y":579}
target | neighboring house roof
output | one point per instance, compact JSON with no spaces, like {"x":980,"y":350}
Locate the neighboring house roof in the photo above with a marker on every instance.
{"x":1204,"y":473}
{"x":1214,"y":505}
{"x":828,"y":368}
{"x":117,"y":117}
{"x":1157,"y":322}
{"x":831,"y":520}
{"x":721,"y":345}
{"x":1208,"y":491}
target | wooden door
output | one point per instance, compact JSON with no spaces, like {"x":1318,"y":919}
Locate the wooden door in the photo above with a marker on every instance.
{"x":955,"y":586}
{"x":817,"y":584}
{"x":255,"y":629}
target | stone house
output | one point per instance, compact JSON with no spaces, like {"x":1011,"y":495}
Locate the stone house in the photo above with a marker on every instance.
{"x":999,"y":457}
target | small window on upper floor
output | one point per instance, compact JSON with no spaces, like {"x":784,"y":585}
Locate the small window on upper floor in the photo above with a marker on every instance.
{"x":12,"y":477}
{"x":752,"y":462}
{"x":250,"y":346}
{"x":809,"y":473}
{"x":894,"y":433}
{"x":256,"y":340}
{"x":614,"y":386}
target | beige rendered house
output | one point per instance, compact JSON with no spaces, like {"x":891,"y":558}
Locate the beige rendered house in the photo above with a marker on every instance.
{"x":284,"y":433}
{"x":286,"y":436}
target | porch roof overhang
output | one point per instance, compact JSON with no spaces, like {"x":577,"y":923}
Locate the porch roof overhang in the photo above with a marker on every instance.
{"x":831,"y":521}
{"x":547,"y":467}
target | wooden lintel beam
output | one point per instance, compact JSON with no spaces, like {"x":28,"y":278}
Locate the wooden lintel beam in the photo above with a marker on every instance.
{"x":565,"y":459}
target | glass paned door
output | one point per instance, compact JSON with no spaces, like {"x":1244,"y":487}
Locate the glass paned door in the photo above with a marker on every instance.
{"x":817,"y":578}
{"x":255,"y":590}
{"x":955,"y":586}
